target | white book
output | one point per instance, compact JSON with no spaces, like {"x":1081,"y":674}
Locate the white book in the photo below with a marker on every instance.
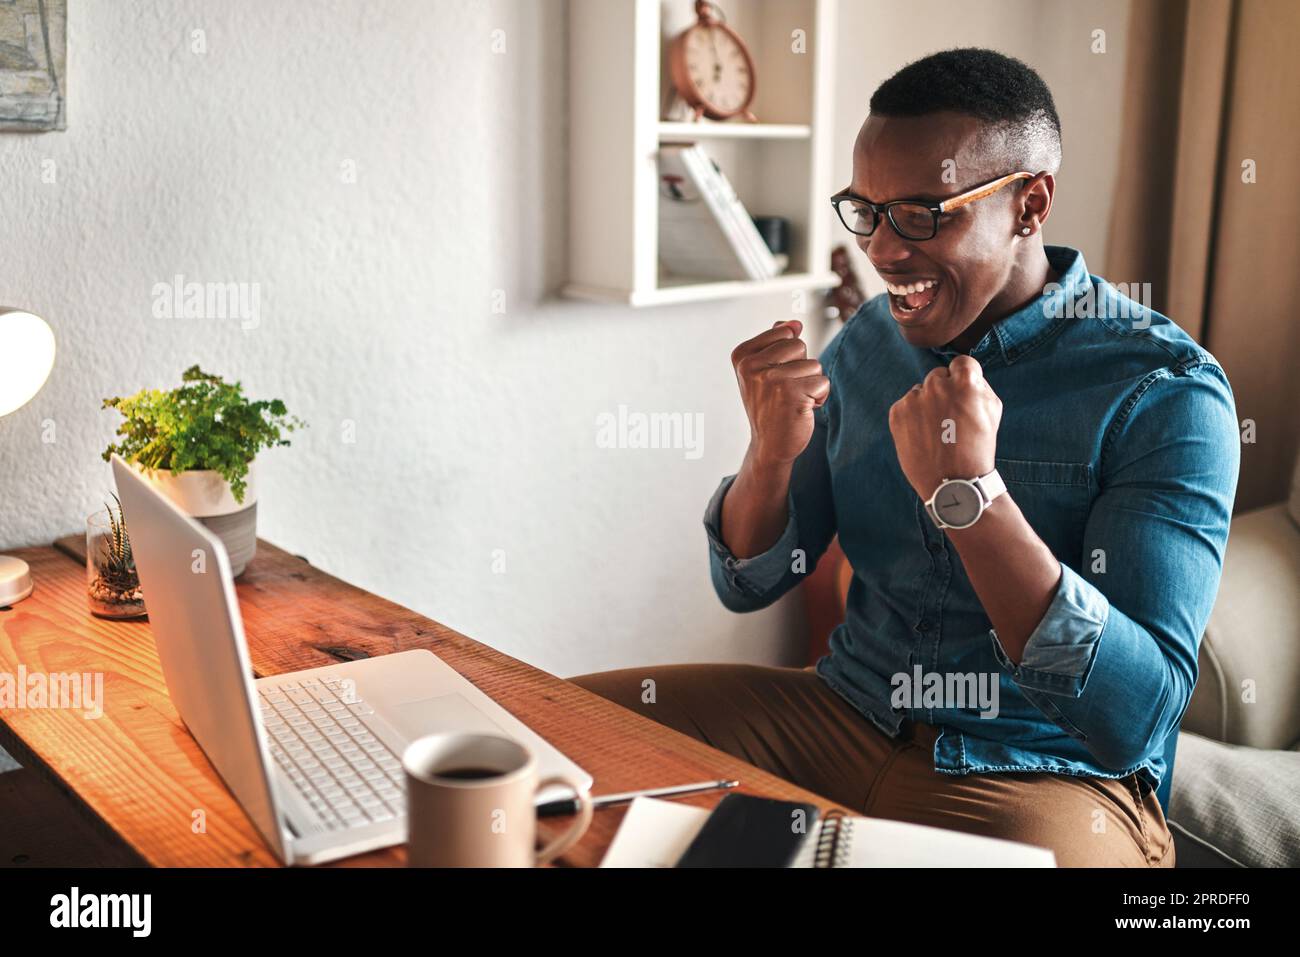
{"x":724,"y":203}
{"x":693,"y":240}
{"x":655,"y":833}
{"x":732,"y":210}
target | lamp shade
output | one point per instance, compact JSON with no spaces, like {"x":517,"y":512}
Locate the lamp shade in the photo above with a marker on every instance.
{"x":26,"y":357}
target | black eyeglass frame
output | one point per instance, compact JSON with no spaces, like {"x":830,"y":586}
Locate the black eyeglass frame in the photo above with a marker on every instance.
{"x":935,"y":208}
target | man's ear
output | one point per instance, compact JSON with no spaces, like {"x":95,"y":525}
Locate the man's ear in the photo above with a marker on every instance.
{"x":1034,"y":203}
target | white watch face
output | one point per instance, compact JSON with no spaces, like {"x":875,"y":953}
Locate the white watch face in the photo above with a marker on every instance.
{"x":957,"y":503}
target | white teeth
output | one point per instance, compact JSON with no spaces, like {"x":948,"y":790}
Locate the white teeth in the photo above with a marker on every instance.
{"x":911,"y":287}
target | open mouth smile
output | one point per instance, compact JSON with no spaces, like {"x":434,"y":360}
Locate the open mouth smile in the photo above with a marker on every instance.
{"x":911,"y":300}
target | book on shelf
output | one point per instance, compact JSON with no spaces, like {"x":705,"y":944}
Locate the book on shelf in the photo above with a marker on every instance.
{"x":705,"y":231}
{"x":762,"y":261}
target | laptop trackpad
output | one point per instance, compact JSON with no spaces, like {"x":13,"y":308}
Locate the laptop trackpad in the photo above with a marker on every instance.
{"x":449,"y":712}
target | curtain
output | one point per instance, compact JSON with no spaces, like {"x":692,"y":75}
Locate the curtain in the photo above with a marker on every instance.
{"x":1207,"y":207}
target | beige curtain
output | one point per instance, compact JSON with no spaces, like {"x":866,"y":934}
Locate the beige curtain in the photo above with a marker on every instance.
{"x":1212,"y":100}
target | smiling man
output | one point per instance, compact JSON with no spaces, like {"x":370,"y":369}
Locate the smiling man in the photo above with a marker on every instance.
{"x":1030,"y":474}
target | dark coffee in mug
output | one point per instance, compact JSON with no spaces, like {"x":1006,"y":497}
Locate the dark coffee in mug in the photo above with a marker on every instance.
{"x":467,"y":773}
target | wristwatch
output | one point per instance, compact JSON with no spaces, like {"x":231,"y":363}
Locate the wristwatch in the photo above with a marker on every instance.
{"x":959,"y":503}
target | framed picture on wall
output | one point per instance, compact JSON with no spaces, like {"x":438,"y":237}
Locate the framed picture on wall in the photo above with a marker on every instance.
{"x":33,"y":52}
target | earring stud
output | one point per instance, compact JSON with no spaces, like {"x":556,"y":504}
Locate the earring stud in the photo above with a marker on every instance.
{"x":1024,"y":231}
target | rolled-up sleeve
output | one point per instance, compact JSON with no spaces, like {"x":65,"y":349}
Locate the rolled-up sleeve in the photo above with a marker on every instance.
{"x":1114,"y":659}
{"x":748,"y":584}
{"x":1059,"y":653}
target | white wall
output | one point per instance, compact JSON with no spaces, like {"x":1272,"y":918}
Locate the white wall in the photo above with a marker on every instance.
{"x":475,"y":431}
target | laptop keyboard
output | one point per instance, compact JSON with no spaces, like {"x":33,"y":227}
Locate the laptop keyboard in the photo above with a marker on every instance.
{"x":319,"y":737}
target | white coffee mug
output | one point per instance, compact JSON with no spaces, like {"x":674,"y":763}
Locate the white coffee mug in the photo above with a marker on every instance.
{"x":471,"y":803}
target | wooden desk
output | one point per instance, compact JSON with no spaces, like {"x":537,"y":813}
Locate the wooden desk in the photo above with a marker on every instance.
{"x":139,"y":776}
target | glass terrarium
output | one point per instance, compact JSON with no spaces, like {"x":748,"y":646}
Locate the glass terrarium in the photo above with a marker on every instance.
{"x":112,"y":585}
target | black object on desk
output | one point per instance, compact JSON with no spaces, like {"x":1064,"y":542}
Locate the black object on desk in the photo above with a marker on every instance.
{"x":748,"y":831}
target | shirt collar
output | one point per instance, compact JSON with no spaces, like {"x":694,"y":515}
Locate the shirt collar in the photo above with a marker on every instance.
{"x":1014,"y":335}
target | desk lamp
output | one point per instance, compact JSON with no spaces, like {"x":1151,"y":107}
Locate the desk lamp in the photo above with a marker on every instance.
{"x":26,"y":358}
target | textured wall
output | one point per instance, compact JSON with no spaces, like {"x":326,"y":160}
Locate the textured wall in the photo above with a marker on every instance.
{"x":475,"y":431}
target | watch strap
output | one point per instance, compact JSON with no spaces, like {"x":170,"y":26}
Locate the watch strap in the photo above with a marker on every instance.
{"x":991,"y":486}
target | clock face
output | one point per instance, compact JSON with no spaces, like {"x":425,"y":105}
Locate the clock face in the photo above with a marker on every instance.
{"x":718,"y":67}
{"x":958,"y":504}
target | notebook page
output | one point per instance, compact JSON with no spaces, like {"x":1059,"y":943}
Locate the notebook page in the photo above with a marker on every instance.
{"x":654,"y":833}
{"x":879,"y":843}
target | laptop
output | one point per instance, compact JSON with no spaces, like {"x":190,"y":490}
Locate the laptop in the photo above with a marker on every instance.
{"x":313,"y":757}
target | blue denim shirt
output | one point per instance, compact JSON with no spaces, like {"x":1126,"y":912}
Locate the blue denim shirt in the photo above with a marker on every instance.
{"x":1118,"y":442}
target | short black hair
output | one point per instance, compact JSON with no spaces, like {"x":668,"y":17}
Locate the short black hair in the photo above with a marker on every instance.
{"x":1002,"y":91}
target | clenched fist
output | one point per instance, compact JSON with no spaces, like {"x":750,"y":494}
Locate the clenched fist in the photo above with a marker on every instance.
{"x":947,"y":426}
{"x":780,"y":387}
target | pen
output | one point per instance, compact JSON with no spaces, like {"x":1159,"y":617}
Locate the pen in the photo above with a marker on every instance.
{"x":570,"y":805}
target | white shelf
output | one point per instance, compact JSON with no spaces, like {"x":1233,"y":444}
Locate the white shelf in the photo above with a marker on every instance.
{"x":678,"y":290}
{"x":739,"y":131}
{"x":618,"y":89}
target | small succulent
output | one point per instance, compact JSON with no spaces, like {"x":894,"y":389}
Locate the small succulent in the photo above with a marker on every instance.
{"x":118,"y":567}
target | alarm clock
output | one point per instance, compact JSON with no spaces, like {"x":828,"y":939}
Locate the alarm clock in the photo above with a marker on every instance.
{"x":710,"y":67}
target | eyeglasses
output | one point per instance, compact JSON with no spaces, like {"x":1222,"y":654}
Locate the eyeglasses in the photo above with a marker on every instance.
{"x":911,"y":218}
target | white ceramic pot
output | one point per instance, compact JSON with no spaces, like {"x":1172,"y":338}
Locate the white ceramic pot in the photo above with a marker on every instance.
{"x":204,"y":495}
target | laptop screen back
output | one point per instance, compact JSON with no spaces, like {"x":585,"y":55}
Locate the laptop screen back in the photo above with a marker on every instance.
{"x":190,"y":597}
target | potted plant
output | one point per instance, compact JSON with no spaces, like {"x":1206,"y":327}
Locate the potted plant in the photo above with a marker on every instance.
{"x":197,"y":444}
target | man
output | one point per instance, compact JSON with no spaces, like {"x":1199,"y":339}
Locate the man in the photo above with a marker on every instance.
{"x":1031,"y":475}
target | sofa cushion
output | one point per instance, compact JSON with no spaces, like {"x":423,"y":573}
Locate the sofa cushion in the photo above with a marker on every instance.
{"x":1247,"y":689}
{"x":1239,"y":804}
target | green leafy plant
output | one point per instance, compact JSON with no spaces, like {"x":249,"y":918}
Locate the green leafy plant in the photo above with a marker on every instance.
{"x":118,"y":566}
{"x":206,"y":423}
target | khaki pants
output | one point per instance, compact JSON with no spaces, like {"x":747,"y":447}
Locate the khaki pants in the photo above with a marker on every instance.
{"x":789,"y":722}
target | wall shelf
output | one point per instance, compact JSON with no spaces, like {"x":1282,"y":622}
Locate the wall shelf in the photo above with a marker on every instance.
{"x":681,"y":289}
{"x":739,"y":131}
{"x":780,"y":166}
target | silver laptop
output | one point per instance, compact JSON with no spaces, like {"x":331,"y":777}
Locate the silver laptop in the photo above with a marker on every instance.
{"x":314,"y":757}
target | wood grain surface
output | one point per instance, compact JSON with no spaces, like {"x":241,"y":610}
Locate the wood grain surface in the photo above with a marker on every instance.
{"x":139,"y":774}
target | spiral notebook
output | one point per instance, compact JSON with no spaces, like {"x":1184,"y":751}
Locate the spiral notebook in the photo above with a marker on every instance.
{"x":655,"y":833}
